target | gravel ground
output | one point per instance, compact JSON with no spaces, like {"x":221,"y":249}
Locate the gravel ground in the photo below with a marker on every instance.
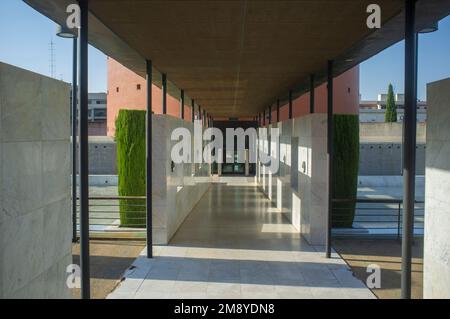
{"x":109,"y":260}
{"x":386,"y":253}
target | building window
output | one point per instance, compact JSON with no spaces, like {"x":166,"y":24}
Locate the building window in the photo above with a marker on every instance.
{"x":138,"y":86}
{"x":100,"y":113}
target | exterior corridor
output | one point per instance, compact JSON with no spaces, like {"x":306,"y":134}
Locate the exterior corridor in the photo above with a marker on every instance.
{"x":235,"y":245}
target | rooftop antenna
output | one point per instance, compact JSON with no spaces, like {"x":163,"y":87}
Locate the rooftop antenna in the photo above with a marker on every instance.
{"x":52,"y":58}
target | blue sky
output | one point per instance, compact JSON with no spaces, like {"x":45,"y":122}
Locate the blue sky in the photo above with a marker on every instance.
{"x":388,"y":65}
{"x":25,"y":36}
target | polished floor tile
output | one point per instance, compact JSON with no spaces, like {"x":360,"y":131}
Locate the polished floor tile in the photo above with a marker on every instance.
{"x":234,"y":244}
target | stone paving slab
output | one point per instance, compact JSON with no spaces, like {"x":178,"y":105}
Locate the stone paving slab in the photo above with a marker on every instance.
{"x":239,"y":261}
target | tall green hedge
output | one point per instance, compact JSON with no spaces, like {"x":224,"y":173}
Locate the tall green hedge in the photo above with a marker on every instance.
{"x":130,"y":139}
{"x":345,"y":168}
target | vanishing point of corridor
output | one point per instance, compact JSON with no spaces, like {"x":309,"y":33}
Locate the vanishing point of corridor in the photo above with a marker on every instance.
{"x":234,"y":244}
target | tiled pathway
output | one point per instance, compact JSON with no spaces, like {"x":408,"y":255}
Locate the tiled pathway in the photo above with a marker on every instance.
{"x":235,"y":245}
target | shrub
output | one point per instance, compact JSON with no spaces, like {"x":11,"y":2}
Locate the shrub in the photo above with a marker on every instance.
{"x":345,"y":168}
{"x":131,"y":165}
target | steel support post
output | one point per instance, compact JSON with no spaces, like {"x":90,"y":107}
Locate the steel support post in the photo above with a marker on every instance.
{"x":148,"y":175}
{"x":409,"y":149}
{"x":74,"y":139}
{"x":311,"y":94}
{"x":290,"y":104}
{"x":164,"y":93}
{"x":330,"y":156}
{"x":278,"y":110}
{"x":182,"y":104}
{"x":84,"y":152}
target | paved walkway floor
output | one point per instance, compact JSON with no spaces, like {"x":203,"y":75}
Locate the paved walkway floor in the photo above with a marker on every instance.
{"x":234,"y":244}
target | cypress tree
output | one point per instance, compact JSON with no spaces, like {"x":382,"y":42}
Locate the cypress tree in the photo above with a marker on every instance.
{"x":345,"y":168}
{"x":391,"y":108}
{"x":130,"y":139}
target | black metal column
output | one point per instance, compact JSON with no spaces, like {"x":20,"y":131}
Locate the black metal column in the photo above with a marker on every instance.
{"x":84,"y":153}
{"x":311,"y":94}
{"x":409,"y":148}
{"x":270,"y":115}
{"x":182,"y":104}
{"x":278,"y":110}
{"x":330,"y":156}
{"x":290,"y":104}
{"x":199,"y":112}
{"x":164,"y":93}
{"x":193,"y":110}
{"x":264,"y":118}
{"x":148,"y":176}
{"x":74,"y":140}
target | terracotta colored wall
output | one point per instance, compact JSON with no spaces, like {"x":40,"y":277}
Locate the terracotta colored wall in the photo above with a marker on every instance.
{"x":129,"y":97}
{"x":345,"y":95}
{"x":345,"y":98}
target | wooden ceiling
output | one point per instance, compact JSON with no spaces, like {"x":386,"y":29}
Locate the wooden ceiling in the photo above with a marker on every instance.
{"x":234,"y":57}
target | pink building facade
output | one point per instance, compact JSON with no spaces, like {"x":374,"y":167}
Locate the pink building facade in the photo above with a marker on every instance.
{"x":126,"y":90}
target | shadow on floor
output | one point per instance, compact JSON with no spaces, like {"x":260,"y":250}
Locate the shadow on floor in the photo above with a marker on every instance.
{"x":108,"y":261}
{"x":359,"y":253}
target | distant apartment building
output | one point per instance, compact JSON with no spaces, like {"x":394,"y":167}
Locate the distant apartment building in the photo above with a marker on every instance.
{"x":97,"y":114}
{"x":373,"y":111}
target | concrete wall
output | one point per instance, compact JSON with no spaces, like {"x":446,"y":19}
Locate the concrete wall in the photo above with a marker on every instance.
{"x":175,"y":193}
{"x":35,"y":216}
{"x":102,"y":155}
{"x":299,"y":189}
{"x":385,"y":159}
{"x":381,"y":150}
{"x":388,"y":132}
{"x":377,"y":115}
{"x":437,"y":189}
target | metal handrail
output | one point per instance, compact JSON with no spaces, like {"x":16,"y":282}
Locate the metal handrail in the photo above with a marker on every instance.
{"x":116,"y":197}
{"x":373,"y":200}
{"x":104,"y":210}
{"x":398,"y":203}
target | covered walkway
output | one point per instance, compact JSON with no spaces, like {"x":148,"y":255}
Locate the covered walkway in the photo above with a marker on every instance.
{"x":234,"y":244}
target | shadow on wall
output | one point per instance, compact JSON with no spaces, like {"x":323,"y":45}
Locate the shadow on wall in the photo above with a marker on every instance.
{"x":299,"y":189}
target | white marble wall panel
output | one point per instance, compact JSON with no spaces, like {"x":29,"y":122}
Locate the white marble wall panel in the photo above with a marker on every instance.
{"x":436,"y":281}
{"x":35,"y":214}
{"x":177,"y":191}
{"x":302,"y":197}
